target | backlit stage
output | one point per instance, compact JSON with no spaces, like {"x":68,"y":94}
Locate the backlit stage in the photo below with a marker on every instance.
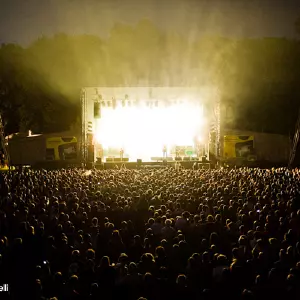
{"x":143,"y":123}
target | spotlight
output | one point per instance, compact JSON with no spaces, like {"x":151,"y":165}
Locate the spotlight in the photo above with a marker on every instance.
{"x":114,"y":103}
{"x":200,"y":139}
{"x":90,"y":128}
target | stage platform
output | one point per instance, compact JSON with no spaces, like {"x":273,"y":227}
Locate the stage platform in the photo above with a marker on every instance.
{"x":150,"y":164}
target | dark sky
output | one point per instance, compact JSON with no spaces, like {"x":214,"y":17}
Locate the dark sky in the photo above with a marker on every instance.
{"x":23,"y":21}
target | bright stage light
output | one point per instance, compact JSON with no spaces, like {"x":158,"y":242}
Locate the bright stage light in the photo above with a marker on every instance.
{"x":199,"y":139}
{"x":143,"y":131}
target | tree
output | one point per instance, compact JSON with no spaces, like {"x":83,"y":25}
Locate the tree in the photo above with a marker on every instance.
{"x":297,"y":25}
{"x":40,"y":85}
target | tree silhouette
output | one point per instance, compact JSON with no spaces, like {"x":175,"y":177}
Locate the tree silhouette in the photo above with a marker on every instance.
{"x":297,"y":25}
{"x":40,"y":84}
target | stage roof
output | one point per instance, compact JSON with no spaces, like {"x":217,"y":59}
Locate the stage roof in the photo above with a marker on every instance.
{"x":203,"y":94}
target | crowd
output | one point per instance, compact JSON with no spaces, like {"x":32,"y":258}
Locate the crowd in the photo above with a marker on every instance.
{"x":151,"y":234}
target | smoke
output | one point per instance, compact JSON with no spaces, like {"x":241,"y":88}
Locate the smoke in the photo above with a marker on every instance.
{"x":144,"y":43}
{"x":119,"y":43}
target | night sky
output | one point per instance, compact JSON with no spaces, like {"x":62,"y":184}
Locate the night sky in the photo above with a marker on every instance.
{"x":22,"y":21}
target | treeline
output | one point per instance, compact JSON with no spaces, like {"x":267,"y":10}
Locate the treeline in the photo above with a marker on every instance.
{"x":40,"y":85}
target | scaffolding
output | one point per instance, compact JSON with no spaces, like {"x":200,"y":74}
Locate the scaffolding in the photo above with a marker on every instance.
{"x":84,"y":124}
{"x":90,"y":95}
{"x":3,"y":145}
{"x":217,"y":128}
{"x":295,"y":142}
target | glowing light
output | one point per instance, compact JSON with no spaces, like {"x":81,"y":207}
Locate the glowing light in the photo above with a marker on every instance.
{"x":200,"y":139}
{"x":143,"y":131}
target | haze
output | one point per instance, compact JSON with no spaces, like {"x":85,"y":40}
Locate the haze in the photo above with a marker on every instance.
{"x":23,"y":21}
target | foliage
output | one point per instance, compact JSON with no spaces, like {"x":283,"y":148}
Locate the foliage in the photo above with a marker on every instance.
{"x":40,"y":85}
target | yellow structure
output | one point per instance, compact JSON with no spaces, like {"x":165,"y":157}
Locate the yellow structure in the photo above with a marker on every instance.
{"x":33,"y":149}
{"x":238,"y":147}
{"x":58,"y":148}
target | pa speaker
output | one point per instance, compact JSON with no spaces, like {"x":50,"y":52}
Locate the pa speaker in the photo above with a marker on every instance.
{"x":91,"y":154}
{"x":97,"y":110}
{"x":90,"y":166}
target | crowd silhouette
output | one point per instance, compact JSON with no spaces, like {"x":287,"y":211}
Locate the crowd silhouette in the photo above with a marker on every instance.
{"x":151,"y":234}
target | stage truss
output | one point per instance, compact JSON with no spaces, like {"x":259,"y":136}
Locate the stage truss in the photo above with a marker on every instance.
{"x":209,"y":97}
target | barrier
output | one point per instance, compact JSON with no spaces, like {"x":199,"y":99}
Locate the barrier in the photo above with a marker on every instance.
{"x":152,"y":164}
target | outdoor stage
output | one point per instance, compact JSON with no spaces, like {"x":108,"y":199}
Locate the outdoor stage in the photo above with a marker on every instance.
{"x":139,"y":123}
